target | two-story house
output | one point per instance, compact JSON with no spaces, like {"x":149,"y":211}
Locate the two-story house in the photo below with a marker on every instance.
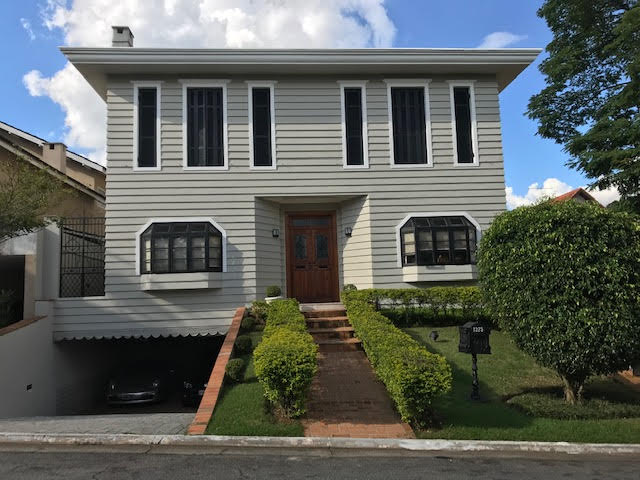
{"x":229,"y":170}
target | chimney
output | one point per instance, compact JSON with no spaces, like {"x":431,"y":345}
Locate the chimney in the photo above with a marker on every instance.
{"x":122,"y":37}
{"x":55,"y":155}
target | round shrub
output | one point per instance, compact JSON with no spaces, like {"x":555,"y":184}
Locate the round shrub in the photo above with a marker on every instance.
{"x":273,"y":291}
{"x":247,"y":323}
{"x":234,"y":369}
{"x":243,"y":344}
{"x":563,"y":278}
{"x":259,"y":309}
{"x":285,"y":364}
{"x":349,"y":287}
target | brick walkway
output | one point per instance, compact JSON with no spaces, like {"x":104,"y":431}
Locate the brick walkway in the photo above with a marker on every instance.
{"x":346,"y":398}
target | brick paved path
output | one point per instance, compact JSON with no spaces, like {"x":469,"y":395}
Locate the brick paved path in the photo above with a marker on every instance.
{"x":346,"y":398}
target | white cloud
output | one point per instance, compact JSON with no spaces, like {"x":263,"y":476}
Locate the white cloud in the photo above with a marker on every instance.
{"x":501,"y":40}
{"x":85,"y":112}
{"x":26,"y":24}
{"x":196,"y":23}
{"x":552,"y":187}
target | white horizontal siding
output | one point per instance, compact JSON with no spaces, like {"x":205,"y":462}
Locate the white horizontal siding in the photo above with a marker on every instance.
{"x":309,"y":159}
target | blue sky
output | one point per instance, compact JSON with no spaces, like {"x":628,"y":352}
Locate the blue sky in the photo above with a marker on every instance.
{"x":461,"y":23}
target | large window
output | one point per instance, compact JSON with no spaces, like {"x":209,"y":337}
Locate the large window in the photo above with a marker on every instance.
{"x":438,"y":240}
{"x":205,"y":126}
{"x":354,"y":124}
{"x":181,"y":247}
{"x":410,"y":125}
{"x":262,"y":126}
{"x":146,"y":126}
{"x":464,"y":123}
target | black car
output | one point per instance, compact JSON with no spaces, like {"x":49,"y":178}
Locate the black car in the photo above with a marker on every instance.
{"x":193,"y":388}
{"x":137,"y":384}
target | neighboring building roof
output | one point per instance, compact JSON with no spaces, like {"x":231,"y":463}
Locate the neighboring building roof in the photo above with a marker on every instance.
{"x":577,"y":193}
{"x":95,"y":64}
{"x":40,"y":142}
{"x":75,"y":170}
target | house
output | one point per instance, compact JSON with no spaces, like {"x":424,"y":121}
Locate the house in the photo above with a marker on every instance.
{"x":578,"y":194}
{"x":229,"y":170}
{"x":85,"y":198}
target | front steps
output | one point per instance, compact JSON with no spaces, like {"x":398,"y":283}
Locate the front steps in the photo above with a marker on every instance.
{"x":329,"y":326}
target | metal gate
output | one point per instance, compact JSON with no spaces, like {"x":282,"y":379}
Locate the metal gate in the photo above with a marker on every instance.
{"x":82,"y":257}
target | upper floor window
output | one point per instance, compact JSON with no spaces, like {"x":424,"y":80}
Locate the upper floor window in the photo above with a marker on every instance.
{"x":410,"y":125}
{"x":463,"y":114}
{"x":179,"y":247}
{"x":262,"y":140}
{"x":146,"y":151}
{"x":205,"y":125}
{"x":438,"y":240}
{"x":354,"y":124}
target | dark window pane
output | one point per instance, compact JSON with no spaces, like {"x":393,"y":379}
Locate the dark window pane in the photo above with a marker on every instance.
{"x":409,"y":131}
{"x":462,"y":103}
{"x":205,"y":140}
{"x":261,"y":99}
{"x":322,"y":247}
{"x":300,"y":247}
{"x":147,"y":109}
{"x":310,"y":222}
{"x":353,"y":125}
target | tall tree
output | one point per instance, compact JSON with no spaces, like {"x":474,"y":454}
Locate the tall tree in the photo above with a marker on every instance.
{"x":592,"y":98}
{"x":25,"y":194}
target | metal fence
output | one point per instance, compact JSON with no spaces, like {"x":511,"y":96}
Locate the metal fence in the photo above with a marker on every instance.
{"x":82,"y":257}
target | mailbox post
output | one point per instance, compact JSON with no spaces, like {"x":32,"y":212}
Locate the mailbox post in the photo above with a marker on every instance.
{"x":474,"y":339}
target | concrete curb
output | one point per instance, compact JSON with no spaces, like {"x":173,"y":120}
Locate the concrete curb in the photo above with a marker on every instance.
{"x":302,"y":445}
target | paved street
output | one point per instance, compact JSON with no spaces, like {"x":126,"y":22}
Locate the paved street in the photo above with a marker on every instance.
{"x":73,"y":465}
{"x":142,"y":423}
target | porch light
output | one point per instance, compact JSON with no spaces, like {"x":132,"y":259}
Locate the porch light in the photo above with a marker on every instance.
{"x":275,"y":233}
{"x":348,"y":231}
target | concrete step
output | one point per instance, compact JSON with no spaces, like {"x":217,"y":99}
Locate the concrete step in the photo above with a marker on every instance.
{"x":337,"y":333}
{"x":339,"y":345}
{"x":329,"y":322}
{"x":338,"y":312}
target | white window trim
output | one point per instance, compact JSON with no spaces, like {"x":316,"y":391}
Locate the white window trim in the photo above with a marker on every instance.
{"x":467,"y":215}
{"x":158,"y":86}
{"x":225,"y":134}
{"x":474,"y":123}
{"x":365,"y":132}
{"x":416,"y":83}
{"x":271,"y":86}
{"x":182,"y":220}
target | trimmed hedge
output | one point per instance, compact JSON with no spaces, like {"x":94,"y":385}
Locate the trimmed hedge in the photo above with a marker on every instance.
{"x":433,"y":306}
{"x":234,"y":369}
{"x":412,"y":375}
{"x":286,"y":358}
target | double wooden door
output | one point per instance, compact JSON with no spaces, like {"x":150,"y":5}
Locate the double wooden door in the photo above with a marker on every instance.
{"x":312,"y":257}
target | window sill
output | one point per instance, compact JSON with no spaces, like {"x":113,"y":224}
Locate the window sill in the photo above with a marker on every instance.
{"x":439,"y":273}
{"x":180,"y":281}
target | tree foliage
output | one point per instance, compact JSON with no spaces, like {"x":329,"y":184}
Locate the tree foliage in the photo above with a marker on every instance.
{"x":563,"y":279}
{"x":25,"y":194}
{"x":592,"y":97}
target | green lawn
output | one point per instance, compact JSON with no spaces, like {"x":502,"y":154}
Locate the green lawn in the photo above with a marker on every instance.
{"x":242,"y":411}
{"x":504,"y":374}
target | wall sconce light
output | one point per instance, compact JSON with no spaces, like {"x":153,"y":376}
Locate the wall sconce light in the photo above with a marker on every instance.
{"x":275,"y":232}
{"x":348,"y":231}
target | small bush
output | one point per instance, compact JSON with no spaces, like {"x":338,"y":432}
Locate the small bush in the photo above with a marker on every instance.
{"x":273,"y":291}
{"x":563,"y":279}
{"x":413,"y":376}
{"x":243,"y":344}
{"x":234,"y":369}
{"x":247,"y":323}
{"x":286,"y":358}
{"x":286,"y":363}
{"x":349,"y":287}
{"x":259,"y":309}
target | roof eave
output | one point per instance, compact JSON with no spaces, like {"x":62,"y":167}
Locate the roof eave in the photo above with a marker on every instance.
{"x":96,"y":63}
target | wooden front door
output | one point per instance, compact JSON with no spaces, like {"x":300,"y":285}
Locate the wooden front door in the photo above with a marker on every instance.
{"x":312,"y":257}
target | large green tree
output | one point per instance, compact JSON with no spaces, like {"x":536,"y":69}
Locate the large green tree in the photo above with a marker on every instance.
{"x":26,"y":192}
{"x":591,"y":101}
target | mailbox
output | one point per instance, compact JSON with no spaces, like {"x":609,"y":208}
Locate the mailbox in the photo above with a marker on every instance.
{"x":474,"y":338}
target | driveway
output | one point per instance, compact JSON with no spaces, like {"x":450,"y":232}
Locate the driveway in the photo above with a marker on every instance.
{"x":141,"y":423}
